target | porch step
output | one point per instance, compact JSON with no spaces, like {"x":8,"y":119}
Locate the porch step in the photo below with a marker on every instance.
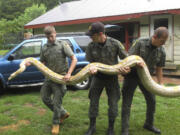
{"x":172,"y":73}
{"x":171,"y":70}
{"x":169,"y":66}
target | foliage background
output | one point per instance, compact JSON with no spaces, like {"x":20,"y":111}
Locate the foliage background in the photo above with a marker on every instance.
{"x":14,"y":14}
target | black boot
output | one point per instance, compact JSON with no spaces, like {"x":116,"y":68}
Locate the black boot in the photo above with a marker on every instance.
{"x":110,"y":130}
{"x":150,"y":120}
{"x":92,"y":127}
{"x":152,"y":129}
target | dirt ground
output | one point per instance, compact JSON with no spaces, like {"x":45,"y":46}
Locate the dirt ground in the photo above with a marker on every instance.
{"x":166,"y":80}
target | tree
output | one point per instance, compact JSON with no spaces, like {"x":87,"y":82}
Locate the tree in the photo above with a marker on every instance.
{"x":10,"y":9}
{"x":30,"y":14}
{"x":12,"y":29}
{"x":14,"y":14}
{"x":48,"y":3}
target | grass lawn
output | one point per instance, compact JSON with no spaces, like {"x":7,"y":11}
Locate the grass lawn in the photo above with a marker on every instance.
{"x":3,"y":52}
{"x":23,"y":113}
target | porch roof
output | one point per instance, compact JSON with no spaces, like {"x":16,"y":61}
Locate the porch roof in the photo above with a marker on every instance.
{"x":87,"y":11}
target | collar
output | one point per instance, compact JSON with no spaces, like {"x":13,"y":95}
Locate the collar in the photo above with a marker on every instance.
{"x":150,"y":44}
{"x":101,"y":45}
{"x":52,"y":44}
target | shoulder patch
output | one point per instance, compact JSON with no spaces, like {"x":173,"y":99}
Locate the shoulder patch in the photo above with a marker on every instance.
{"x":121,"y":45}
{"x":141,"y":39}
{"x":66,"y":44}
{"x":63,"y":43}
{"x":135,"y":42}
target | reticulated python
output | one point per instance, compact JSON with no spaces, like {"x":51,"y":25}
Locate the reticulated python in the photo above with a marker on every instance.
{"x":144,"y":75}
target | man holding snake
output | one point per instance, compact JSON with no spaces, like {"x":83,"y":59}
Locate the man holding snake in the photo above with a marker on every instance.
{"x":53,"y":55}
{"x":105,"y":50}
{"x":152,"y":52}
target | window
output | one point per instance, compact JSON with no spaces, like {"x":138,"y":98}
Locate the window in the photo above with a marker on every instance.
{"x":83,"y":41}
{"x":30,"y":49}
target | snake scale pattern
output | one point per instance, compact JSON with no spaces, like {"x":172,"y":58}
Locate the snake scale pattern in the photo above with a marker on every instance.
{"x":131,"y":61}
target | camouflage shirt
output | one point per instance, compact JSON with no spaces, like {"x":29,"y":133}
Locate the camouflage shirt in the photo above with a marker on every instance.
{"x":107,"y":53}
{"x":54,"y":56}
{"x":153,"y":56}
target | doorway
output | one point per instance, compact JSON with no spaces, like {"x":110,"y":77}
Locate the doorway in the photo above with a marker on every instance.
{"x":166,"y":21}
{"x":126,"y":33}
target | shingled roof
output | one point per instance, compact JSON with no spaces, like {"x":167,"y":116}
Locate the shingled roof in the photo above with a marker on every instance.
{"x":86,"y":11}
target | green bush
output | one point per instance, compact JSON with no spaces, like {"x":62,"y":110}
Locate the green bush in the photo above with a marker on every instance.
{"x":12,"y":31}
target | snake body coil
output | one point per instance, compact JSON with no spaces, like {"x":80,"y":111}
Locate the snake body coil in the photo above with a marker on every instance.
{"x":131,"y":61}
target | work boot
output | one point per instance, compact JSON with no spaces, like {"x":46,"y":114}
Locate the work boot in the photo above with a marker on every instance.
{"x":152,"y":129}
{"x":55,"y":129}
{"x":92,"y":127}
{"x":65,"y":116}
{"x":110,"y":130}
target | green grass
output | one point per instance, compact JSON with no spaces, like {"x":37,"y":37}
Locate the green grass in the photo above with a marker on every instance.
{"x":27,"y":105}
{"x":2,"y":52}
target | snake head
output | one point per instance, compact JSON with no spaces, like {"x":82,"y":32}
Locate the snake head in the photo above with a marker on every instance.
{"x":11,"y":76}
{"x":20,"y":70}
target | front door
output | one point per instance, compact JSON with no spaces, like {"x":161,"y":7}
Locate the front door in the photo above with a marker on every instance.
{"x":166,"y":21}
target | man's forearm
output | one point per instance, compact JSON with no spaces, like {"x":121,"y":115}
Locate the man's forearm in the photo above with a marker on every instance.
{"x":73,"y":64}
{"x":159,"y":75}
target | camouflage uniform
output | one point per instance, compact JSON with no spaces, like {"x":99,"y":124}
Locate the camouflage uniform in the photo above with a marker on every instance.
{"x":108,"y":54}
{"x":153,"y":56}
{"x":54,"y":57}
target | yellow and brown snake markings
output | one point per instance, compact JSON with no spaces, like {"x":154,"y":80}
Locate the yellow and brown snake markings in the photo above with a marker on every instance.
{"x":143,"y":73}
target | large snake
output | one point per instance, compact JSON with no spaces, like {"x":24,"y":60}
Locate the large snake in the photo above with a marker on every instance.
{"x":131,"y":61}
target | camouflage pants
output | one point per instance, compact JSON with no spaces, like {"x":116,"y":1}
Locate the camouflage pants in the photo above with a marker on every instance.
{"x":52,"y":95}
{"x":129,"y":86}
{"x":112,"y":90}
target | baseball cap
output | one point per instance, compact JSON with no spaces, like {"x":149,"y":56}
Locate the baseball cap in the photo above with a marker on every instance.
{"x":95,"y":28}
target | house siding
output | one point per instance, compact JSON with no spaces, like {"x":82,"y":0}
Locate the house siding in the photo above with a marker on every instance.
{"x":176,"y":37}
{"x":144,"y":26}
{"x":144,"y":31}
